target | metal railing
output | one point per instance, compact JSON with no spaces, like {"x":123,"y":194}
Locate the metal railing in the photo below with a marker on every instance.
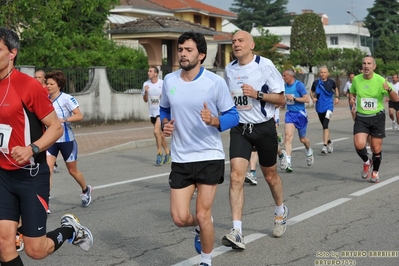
{"x":77,"y":79}
{"x":127,"y":80}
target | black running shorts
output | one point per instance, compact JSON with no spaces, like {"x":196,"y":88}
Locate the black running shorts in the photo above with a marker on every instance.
{"x":262,"y":136}
{"x":26,"y":193}
{"x":205,"y":172}
{"x":372,"y":125}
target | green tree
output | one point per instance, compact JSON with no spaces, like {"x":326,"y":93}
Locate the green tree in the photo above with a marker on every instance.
{"x":307,"y":37}
{"x":266,"y":46}
{"x":68,"y":33}
{"x":383,"y":18}
{"x":388,"y":48}
{"x":260,"y":13}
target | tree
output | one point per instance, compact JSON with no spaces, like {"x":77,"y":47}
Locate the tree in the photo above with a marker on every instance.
{"x":68,"y":33}
{"x":260,"y":13}
{"x":266,"y":46}
{"x":388,"y":48}
{"x":307,"y":37}
{"x":383,"y":18}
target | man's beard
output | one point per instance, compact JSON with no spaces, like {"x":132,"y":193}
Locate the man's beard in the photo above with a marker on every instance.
{"x":189,"y":66}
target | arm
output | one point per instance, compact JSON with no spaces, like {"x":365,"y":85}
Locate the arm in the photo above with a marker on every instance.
{"x":145,"y":91}
{"x":75,"y":117}
{"x":51,"y":135}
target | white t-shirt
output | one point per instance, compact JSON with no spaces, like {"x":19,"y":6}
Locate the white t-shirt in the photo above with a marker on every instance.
{"x":63,"y":105}
{"x":262,"y":75}
{"x":192,"y":139}
{"x":396,"y":87}
{"x":154,"y":95}
{"x":347,"y":86}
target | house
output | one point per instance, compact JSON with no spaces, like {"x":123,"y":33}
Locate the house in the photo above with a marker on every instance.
{"x":337,"y":36}
{"x":156,"y":25}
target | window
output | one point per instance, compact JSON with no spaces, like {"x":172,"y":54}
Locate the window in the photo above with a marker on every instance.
{"x":197,"y":19}
{"x":212,"y":22}
{"x":334,"y":40}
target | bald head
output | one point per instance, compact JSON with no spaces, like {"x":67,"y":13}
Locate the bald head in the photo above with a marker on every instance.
{"x":243,"y":44}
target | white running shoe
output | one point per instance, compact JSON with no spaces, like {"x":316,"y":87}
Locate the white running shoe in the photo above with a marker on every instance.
{"x":82,"y":236}
{"x":280,"y":223}
{"x":234,"y":239}
{"x":283,"y":160}
{"x":250,"y":178}
{"x":310,"y":158}
{"x":330,"y":148}
{"x":86,"y":197}
{"x":324,"y":150}
{"x":19,"y":242}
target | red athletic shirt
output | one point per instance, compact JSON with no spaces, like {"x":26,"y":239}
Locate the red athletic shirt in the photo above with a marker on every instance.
{"x":23,"y":103}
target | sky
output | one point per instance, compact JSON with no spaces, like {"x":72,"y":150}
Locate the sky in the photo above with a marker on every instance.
{"x":334,"y":9}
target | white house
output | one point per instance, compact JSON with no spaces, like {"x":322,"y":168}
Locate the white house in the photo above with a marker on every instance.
{"x":337,"y":36}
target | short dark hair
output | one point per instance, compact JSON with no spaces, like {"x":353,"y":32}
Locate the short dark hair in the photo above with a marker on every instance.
{"x":156,"y":70}
{"x":10,"y":40}
{"x":199,"y":40}
{"x":58,"y":76}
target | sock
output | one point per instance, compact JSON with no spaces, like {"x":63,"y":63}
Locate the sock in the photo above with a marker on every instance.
{"x":238,"y":225}
{"x":363,"y":154}
{"x":85,"y":191}
{"x":376,"y":161}
{"x":206,"y":258}
{"x":279,"y":210}
{"x":329,"y":141}
{"x":288,"y":159}
{"x":15,"y":262}
{"x":309,"y":152}
{"x":253,"y":172}
{"x":60,"y":235}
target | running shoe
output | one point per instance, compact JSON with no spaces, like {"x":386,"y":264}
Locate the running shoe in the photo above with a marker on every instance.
{"x":159,"y":158}
{"x":374,"y":177}
{"x":250,"y":178}
{"x":288,"y":169}
{"x":48,"y":211}
{"x":86,"y":197}
{"x":19,"y":242}
{"x":56,"y":169}
{"x":280,"y":139}
{"x":324,"y":150}
{"x":82,"y":236}
{"x":283,"y":160}
{"x":234,"y":239}
{"x":197,"y":241}
{"x":367,"y":167}
{"x":330,"y":148}
{"x":204,"y":264}
{"x":280,"y":223}
{"x":310,"y":158}
{"x":166,"y":159}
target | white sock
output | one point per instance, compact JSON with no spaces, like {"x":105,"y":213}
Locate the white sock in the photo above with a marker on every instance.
{"x":279,"y":210}
{"x":238,"y":225}
{"x":309,"y":152}
{"x":288,"y":159}
{"x":206,"y":258}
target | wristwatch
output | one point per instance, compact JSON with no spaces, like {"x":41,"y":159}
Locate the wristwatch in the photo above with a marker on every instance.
{"x":35,"y":150}
{"x":260,"y":95}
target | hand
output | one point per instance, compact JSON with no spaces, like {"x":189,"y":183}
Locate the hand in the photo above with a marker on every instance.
{"x":21,"y":154}
{"x":386,"y":85}
{"x":247,"y":90}
{"x":336,"y":101}
{"x":168,"y":128}
{"x":206,"y":115}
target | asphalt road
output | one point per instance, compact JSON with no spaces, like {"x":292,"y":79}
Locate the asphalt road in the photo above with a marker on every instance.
{"x":335,"y":215}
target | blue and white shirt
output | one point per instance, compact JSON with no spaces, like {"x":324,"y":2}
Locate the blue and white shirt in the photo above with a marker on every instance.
{"x":263,"y":76}
{"x":63,"y":105}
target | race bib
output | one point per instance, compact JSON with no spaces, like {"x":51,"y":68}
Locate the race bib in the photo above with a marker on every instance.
{"x":329,"y":114}
{"x":368,"y":103}
{"x":154,"y":100}
{"x":289,"y":102}
{"x":5,"y":135}
{"x":241,"y":102}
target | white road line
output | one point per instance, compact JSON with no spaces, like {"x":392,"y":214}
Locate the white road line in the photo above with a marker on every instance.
{"x":111,"y":131}
{"x":294,"y":220}
{"x":218,"y":251}
{"x":374,"y":187}
{"x":315,"y":211}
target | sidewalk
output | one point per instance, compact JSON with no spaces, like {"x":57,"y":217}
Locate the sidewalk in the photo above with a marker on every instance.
{"x":124,"y":136}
